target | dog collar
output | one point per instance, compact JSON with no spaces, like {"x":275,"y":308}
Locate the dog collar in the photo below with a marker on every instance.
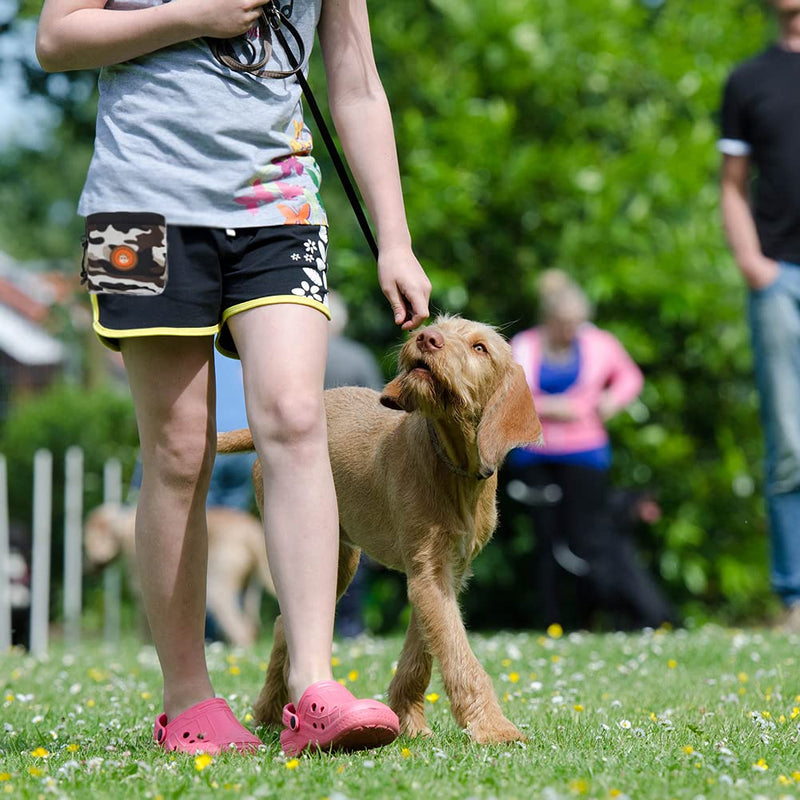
{"x":454,"y":468}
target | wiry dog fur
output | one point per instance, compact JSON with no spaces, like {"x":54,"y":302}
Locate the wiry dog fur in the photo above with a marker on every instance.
{"x":235,"y":553}
{"x":415,"y":474}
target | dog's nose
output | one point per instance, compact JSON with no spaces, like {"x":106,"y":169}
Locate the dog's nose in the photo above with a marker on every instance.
{"x":430,"y":340}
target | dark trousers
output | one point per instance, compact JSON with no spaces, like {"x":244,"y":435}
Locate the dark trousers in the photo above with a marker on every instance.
{"x":576,"y":534}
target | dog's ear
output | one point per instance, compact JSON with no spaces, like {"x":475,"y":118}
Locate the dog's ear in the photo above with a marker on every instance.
{"x":509,"y":420}
{"x":393,"y":396}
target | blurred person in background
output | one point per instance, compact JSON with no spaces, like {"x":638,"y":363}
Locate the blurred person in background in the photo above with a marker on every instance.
{"x":760,"y":131}
{"x":580,"y":377}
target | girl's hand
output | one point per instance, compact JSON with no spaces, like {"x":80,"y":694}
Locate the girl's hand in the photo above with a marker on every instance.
{"x":406,"y":287}
{"x":220,"y":19}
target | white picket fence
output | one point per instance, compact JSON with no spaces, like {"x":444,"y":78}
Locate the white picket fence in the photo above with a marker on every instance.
{"x":73,"y":552}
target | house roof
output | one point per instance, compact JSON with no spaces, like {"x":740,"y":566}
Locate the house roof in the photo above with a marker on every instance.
{"x":26,"y":342}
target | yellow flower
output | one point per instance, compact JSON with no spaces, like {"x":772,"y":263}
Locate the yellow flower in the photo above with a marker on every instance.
{"x":292,"y":764}
{"x":145,"y":695}
{"x":40,"y":752}
{"x":73,"y":748}
{"x":513,"y":677}
{"x":234,"y":670}
{"x":766,"y":714}
{"x":506,"y":662}
{"x":614,"y":793}
{"x":35,"y":771}
{"x":795,"y":712}
{"x":335,"y":661}
{"x":231,"y":658}
{"x":432,"y":697}
{"x":248,"y":717}
{"x":5,"y":776}
{"x":761,"y":765}
{"x":506,"y":697}
{"x":555,"y":631}
{"x":578,"y":707}
{"x":783,"y":780}
{"x":578,"y":786}
{"x":555,"y":659}
{"x":688,"y":749}
{"x":796,"y":776}
{"x":202,"y":761}
{"x":743,"y":677}
{"x":405,"y":752}
{"x":90,"y":703}
{"x":96,"y":675}
{"x":352,"y":675}
{"x":9,"y":698}
{"x":672,"y":663}
{"x":782,"y":718}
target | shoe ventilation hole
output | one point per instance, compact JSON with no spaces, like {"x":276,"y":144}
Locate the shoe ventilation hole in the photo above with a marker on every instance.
{"x":186,"y":734}
{"x":313,"y":706}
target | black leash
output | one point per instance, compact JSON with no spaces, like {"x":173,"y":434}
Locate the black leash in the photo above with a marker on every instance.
{"x":274,"y":18}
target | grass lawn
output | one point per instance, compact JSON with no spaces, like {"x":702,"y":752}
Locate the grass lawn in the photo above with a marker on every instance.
{"x":710,"y":713}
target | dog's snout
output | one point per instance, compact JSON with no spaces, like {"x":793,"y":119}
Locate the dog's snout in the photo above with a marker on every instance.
{"x":430,"y":340}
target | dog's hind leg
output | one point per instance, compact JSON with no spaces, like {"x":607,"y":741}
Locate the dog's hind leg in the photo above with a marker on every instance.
{"x":275,"y":692}
{"x":348,"y":564}
{"x":472,"y":697}
{"x":407,"y":689}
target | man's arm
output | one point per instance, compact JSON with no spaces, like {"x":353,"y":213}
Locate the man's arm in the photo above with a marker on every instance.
{"x":740,"y":227}
{"x":363,"y":121}
{"x":81,"y":34}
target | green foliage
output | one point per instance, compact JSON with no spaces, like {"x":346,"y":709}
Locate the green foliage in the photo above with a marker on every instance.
{"x":539,"y":133}
{"x":100,"y":422}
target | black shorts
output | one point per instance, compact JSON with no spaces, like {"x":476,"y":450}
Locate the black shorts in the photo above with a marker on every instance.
{"x":215,"y":273}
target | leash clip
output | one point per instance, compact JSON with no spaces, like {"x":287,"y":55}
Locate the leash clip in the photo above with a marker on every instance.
{"x":276,"y":14}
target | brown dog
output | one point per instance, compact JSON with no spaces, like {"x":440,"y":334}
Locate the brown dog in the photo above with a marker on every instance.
{"x":235,"y":552}
{"x":415,"y":474}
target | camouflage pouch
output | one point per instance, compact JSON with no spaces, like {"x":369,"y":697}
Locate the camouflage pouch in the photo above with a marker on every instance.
{"x":125,"y":253}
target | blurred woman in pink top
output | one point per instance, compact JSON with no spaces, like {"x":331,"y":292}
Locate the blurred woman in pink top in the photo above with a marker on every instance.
{"x":580,"y":377}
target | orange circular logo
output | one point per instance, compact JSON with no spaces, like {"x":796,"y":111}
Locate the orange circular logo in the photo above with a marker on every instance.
{"x":123,"y":258}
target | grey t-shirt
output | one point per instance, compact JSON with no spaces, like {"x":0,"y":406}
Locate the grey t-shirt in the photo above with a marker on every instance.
{"x":181,"y":135}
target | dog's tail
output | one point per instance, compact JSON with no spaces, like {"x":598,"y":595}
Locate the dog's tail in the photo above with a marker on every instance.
{"x":240,"y":441}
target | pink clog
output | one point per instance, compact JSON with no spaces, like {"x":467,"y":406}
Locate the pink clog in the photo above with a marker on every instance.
{"x":210,"y":727}
{"x":329,"y":717}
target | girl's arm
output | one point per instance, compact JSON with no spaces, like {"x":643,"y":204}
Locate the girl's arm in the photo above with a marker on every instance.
{"x":363,"y":121}
{"x":81,"y":34}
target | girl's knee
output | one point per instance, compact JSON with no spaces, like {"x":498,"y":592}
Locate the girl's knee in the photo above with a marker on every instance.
{"x":181,"y":460}
{"x":291,"y":419}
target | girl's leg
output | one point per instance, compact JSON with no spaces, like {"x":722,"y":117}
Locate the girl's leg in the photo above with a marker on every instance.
{"x":172,"y":383}
{"x":283,"y":350}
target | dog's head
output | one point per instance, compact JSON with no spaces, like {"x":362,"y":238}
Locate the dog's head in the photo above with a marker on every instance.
{"x":103,"y":532}
{"x":456,"y":369}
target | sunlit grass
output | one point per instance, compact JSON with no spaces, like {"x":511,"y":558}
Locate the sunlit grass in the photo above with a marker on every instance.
{"x":712,"y":713}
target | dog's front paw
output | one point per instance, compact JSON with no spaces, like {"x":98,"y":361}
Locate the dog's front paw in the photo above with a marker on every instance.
{"x":413,"y":724}
{"x":495,"y":732}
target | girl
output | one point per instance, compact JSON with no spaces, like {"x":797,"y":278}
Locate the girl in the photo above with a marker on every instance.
{"x":223,"y":158}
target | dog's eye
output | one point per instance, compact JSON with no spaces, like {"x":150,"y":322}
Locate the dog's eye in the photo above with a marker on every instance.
{"x":479,"y":347}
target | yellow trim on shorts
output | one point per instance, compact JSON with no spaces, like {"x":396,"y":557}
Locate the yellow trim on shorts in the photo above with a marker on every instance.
{"x":275,"y":300}
{"x":109,"y":337}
